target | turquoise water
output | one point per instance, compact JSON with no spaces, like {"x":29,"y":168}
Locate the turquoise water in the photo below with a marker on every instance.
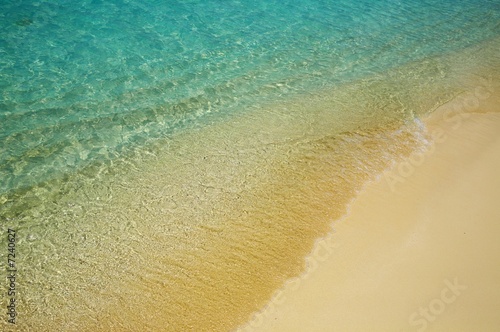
{"x":88,"y":81}
{"x":182,"y":157}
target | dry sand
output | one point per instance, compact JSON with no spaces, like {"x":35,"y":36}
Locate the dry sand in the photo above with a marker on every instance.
{"x":420,"y":249}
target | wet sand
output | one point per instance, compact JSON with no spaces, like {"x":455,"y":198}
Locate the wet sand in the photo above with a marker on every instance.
{"x":419,"y":250}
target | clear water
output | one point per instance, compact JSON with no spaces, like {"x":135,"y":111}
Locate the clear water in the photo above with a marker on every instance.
{"x":182,"y":157}
{"x":88,"y":81}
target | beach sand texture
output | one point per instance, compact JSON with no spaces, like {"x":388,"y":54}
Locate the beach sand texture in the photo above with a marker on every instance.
{"x":419,"y":250}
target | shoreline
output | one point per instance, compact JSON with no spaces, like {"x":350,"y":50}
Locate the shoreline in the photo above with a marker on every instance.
{"x":201,"y":231}
{"x":417,"y":249}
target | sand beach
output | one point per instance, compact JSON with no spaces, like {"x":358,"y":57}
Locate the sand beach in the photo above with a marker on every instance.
{"x":419,"y":248}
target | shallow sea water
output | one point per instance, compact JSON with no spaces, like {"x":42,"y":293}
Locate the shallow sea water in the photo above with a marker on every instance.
{"x":167,"y":165}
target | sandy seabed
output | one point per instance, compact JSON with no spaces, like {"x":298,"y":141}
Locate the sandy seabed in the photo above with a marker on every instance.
{"x":201,"y":229}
